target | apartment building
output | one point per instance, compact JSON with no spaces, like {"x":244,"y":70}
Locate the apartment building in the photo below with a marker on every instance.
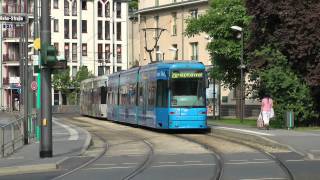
{"x":91,"y":33}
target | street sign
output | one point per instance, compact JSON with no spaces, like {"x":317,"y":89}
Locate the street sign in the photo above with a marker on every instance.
{"x":13,"y":18}
{"x":8,"y":26}
{"x":34,"y":85}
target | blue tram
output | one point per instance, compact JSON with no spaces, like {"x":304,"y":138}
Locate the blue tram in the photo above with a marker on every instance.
{"x":162,"y":95}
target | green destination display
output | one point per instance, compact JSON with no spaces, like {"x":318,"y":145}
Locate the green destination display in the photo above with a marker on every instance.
{"x":176,"y":75}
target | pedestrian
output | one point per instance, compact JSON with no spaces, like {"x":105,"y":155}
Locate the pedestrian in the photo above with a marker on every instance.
{"x":266,"y":110}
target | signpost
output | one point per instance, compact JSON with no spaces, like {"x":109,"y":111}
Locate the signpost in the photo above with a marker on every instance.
{"x":34,"y":85}
{"x":13,"y":18}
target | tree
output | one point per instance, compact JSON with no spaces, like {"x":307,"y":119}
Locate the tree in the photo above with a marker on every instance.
{"x":225,"y":48}
{"x":70,"y":87}
{"x":292,"y":26}
{"x":277,"y":79}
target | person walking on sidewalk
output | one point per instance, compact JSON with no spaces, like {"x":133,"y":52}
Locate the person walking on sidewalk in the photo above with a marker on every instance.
{"x":266,"y":107}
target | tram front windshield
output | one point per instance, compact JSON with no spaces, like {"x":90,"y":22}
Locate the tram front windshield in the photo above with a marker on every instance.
{"x":187,"y":91}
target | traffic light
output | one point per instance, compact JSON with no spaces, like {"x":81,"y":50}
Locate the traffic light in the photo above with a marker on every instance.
{"x":51,"y":56}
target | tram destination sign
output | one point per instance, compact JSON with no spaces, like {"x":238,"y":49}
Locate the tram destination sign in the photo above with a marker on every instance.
{"x":176,"y":75}
{"x":13,"y":18}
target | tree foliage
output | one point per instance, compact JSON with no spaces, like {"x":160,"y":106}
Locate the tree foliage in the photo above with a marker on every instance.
{"x":225,"y":48}
{"x":294,"y":26}
{"x":278,"y":80}
{"x":70,"y":86}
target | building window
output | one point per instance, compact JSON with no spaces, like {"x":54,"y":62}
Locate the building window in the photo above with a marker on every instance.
{"x":100,"y":30}
{"x":99,"y":9}
{"x":74,"y":71}
{"x":194,"y":51}
{"x":194,"y":13}
{"x":107,"y":69}
{"x":107,"y":9}
{"x":74,"y":52}
{"x":66,"y":52}
{"x":84,"y":49}
{"x":107,"y":53}
{"x":119,"y":53}
{"x":74,"y":29}
{"x":118,"y":8}
{"x":56,"y":25}
{"x":175,"y":51}
{"x":107,"y":30}
{"x":84,"y":26}
{"x":174,"y":24}
{"x":56,"y":4}
{"x":84,"y":4}
{"x":66,"y":7}
{"x":118,"y":68}
{"x":156,"y":2}
{"x":56,"y":45}
{"x":74,"y":8}
{"x":66,"y":29}
{"x":100,"y":52}
{"x":119,"y":31}
{"x":100,"y":70}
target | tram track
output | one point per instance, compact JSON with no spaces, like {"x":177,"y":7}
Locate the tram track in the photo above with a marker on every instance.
{"x":219,"y":168}
{"x":284,"y":168}
{"x":219,"y":156}
{"x":137,"y":170}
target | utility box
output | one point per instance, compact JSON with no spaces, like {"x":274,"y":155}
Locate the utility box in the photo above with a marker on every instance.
{"x":289,"y":117}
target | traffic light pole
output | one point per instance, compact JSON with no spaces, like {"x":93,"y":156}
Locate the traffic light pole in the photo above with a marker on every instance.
{"x":46,"y":116}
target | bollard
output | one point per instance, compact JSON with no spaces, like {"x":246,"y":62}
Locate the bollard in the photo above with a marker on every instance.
{"x":289,"y":119}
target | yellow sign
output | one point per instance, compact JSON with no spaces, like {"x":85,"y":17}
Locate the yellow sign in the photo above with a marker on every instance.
{"x":37,"y":44}
{"x":44,"y":122}
{"x":186,"y":75}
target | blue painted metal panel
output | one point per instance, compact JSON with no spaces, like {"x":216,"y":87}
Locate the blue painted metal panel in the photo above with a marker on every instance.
{"x":162,"y":118}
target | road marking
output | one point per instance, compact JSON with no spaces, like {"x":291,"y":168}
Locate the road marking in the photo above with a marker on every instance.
{"x":245,"y":131}
{"x":239,"y":160}
{"x":17,"y":157}
{"x":239,"y":163}
{"x":192,"y":161}
{"x":104,"y":164}
{"x":167,"y":162}
{"x":74,"y":135}
{"x":263,"y":178}
{"x":108,"y":168}
{"x":129,"y":163}
{"x":261,"y":159}
{"x":181,"y":165}
{"x":295,"y":160}
{"x":126,"y":155}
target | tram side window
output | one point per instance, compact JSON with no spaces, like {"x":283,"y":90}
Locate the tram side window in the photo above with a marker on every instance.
{"x":152,"y":93}
{"x":140,"y":100}
{"x":103,"y":95}
{"x":123,"y":95}
{"x":162,"y":93}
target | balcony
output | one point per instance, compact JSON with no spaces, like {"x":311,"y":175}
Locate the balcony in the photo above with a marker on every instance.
{"x":10,"y":8}
{"x":10,"y":58}
{"x":6,"y":80}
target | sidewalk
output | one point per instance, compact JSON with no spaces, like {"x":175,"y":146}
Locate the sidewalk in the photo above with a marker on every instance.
{"x":305,"y":143}
{"x":68,"y":141}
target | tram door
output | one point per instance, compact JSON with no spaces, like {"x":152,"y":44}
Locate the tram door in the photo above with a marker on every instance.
{"x":142,"y":102}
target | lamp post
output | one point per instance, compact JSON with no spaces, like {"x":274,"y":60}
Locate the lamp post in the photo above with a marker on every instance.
{"x":242,"y":66}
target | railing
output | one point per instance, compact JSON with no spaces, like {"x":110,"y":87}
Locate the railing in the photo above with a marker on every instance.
{"x":10,"y":58}
{"x":12,"y":137}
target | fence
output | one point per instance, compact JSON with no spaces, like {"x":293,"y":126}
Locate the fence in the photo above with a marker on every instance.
{"x":12,"y":136}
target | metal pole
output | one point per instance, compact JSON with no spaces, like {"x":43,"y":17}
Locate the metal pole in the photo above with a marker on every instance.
{"x":1,"y":80}
{"x":25,"y":81}
{"x":113,"y":35}
{"x":36,"y":35}
{"x":241,"y":79}
{"x":46,"y":108}
{"x":80,"y":37}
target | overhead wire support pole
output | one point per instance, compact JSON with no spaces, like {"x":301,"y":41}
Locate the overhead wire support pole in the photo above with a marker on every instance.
{"x":46,"y":107}
{"x":25,"y":74}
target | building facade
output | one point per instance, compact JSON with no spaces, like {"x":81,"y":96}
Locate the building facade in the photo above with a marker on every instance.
{"x":91,"y":33}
